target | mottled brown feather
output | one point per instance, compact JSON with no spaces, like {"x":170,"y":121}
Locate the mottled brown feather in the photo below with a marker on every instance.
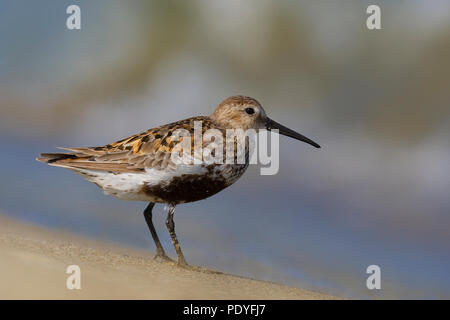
{"x":149,"y":149}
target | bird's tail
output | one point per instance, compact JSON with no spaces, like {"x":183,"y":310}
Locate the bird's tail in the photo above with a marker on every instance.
{"x":54,"y":158}
{"x":86,"y":159}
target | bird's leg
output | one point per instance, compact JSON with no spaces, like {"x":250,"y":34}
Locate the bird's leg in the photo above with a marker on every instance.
{"x":160,"y":253}
{"x":171,"y":227}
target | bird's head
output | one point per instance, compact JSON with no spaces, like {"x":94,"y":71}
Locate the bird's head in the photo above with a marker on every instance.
{"x":240,"y":112}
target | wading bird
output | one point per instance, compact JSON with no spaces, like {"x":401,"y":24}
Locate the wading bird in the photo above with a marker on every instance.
{"x":141,"y":168}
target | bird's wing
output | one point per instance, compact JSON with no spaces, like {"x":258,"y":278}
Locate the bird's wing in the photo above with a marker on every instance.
{"x":150,"y":149}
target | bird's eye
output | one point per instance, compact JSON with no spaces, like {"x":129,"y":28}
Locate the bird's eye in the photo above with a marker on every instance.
{"x":250,"y":110}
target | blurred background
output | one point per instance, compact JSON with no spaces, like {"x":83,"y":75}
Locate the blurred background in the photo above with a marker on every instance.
{"x":377,"y":101}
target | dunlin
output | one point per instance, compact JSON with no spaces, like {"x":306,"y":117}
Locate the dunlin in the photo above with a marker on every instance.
{"x":141,"y":167}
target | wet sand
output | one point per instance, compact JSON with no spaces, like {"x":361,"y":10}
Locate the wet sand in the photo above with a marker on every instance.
{"x":33,"y":263}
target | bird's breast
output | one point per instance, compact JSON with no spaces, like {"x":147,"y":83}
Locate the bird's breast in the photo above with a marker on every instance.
{"x":189,"y":187}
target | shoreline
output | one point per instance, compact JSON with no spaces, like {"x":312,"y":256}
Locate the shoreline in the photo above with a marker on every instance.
{"x":34,"y":260}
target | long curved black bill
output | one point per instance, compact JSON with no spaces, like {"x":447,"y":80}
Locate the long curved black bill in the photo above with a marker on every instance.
{"x":270,"y":124}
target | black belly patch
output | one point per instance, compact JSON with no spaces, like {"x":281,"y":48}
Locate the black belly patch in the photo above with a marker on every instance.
{"x":186,"y":188}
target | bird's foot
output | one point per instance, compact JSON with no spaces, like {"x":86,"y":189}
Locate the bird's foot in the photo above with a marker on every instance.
{"x":188,"y":266}
{"x":183,"y":264}
{"x":163,"y":257}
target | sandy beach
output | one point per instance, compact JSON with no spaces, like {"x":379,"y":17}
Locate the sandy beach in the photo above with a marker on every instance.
{"x":34,"y":260}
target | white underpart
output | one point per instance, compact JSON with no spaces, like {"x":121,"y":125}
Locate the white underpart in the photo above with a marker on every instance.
{"x":128,"y":186}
